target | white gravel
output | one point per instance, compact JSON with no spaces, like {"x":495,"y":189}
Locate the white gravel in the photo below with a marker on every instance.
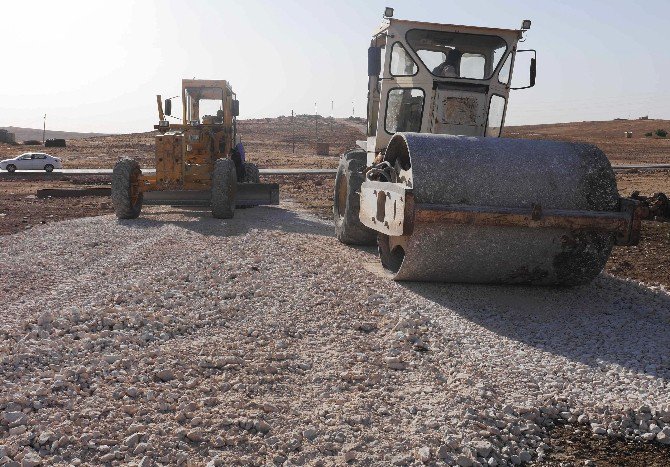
{"x":179,"y":338}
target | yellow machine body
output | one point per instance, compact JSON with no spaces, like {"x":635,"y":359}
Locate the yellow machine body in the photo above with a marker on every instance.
{"x":186,"y":153}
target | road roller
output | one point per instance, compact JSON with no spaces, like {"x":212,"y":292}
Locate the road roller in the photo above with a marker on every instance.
{"x":445,"y":198}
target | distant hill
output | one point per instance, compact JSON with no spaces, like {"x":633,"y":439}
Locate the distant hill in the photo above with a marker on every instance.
{"x":24,"y":134}
{"x":609,"y":136}
{"x":588,"y":130}
{"x":269,"y":142}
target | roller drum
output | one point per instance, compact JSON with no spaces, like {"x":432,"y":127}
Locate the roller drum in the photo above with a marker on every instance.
{"x":506,"y":173}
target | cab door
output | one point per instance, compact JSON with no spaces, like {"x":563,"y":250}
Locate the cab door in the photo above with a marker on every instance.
{"x":498,"y":95}
{"x":402,"y":102}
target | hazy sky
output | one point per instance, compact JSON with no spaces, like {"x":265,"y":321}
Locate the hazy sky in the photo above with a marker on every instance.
{"x":97,"y":66}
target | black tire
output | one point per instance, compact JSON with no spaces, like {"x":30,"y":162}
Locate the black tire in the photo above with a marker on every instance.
{"x":251,"y":173}
{"x":224,"y":189}
{"x":347,"y":203}
{"x":126,"y":195}
{"x":11,"y":168}
{"x":49,"y":168}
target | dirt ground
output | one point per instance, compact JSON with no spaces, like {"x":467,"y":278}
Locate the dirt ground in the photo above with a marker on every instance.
{"x":571,"y":444}
{"x":269,"y":142}
{"x":20,"y":209}
{"x":608,"y":136}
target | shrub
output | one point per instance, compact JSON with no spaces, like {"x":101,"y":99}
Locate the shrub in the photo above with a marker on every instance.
{"x":648,"y":135}
{"x":32,"y":142}
{"x":661,"y":133}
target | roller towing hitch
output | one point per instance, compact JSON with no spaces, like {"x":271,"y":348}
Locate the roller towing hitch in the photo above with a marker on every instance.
{"x":652,"y":208}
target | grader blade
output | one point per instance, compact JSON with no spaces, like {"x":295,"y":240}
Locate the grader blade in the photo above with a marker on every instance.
{"x":248,"y":194}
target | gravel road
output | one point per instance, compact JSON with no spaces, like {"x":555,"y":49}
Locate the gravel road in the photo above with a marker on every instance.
{"x":177,"y":338}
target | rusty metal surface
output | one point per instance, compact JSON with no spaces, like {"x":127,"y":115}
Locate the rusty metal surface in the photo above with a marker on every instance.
{"x":169,"y":163}
{"x":385,"y":208}
{"x":503,"y":173}
{"x":653,"y":208}
{"x":624,"y":225}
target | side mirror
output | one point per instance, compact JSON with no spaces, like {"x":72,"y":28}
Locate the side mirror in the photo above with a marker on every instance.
{"x":374,"y":61}
{"x":533,"y":69}
{"x":236,"y":108}
{"x":168,"y":107}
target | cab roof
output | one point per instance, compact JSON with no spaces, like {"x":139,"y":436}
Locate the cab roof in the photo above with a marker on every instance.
{"x":450,"y":27}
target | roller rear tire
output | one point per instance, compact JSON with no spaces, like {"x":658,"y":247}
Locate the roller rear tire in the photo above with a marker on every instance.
{"x":347,"y":203}
{"x":251,"y":173}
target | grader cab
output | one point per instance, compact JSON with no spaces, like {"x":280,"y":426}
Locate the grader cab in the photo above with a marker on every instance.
{"x":445,"y":198}
{"x":199,"y":161}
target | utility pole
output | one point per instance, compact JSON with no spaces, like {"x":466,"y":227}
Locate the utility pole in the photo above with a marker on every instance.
{"x":353,"y":111}
{"x":332,"y":106}
{"x":316,"y":126}
{"x":44,"y":129}
{"x":293,"y":131}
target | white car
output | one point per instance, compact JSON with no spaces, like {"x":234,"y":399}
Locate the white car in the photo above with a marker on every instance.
{"x":32,"y":161}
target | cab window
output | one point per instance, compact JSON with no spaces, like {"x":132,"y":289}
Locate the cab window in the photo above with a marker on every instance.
{"x":503,"y":76}
{"x":457,"y":55}
{"x":473,"y":66}
{"x":404,"y":109}
{"x":496,"y":113}
{"x":401,"y":62}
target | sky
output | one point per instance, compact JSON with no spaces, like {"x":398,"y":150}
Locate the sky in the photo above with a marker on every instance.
{"x":94,"y":66}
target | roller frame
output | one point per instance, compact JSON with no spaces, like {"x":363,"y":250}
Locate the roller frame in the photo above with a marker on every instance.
{"x":389,"y":209}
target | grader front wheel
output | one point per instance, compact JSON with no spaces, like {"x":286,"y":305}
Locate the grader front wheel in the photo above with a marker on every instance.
{"x":127,"y":195}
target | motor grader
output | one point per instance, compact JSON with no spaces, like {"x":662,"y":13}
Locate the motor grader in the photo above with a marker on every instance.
{"x":445,"y":198}
{"x":198,"y":161}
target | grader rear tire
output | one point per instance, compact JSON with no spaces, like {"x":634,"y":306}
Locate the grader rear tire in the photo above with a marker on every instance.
{"x":251,"y":173}
{"x":346,"y":203}
{"x":127,"y":197}
{"x":224,"y":189}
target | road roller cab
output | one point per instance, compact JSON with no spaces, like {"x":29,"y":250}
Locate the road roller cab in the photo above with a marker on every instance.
{"x":445,"y":198}
{"x":439,"y":78}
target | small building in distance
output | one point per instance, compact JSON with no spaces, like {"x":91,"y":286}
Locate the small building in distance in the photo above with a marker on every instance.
{"x":7,"y":137}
